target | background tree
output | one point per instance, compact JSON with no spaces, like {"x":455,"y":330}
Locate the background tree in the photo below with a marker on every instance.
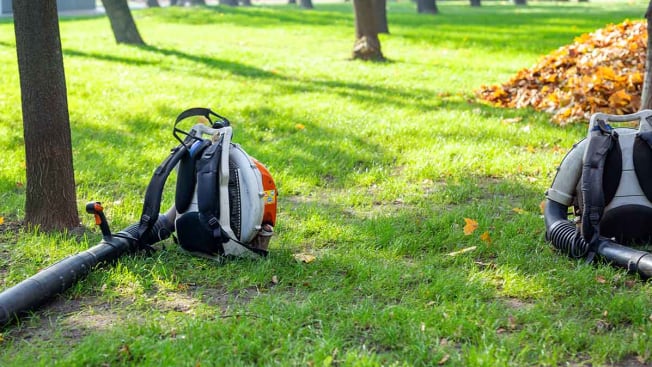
{"x":427,"y":7}
{"x":380,"y":8}
{"x":475,"y":3}
{"x":306,"y":4}
{"x":367,"y":44}
{"x":520,"y":2}
{"x":646,"y":97}
{"x":122,"y":23}
{"x":50,"y":189}
{"x":153,"y":4}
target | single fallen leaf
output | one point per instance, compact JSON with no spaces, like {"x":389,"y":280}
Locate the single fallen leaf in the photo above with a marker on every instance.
{"x":600,"y":279}
{"x":542,"y":206}
{"x":511,"y":120}
{"x":274,"y":279}
{"x":486,"y":237}
{"x":303,"y":257}
{"x":444,"y":359}
{"x":300,"y":126}
{"x":2,"y":220}
{"x":518,"y":210}
{"x":470,"y":226}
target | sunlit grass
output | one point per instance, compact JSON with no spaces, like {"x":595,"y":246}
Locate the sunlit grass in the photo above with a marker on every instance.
{"x":377,"y":166}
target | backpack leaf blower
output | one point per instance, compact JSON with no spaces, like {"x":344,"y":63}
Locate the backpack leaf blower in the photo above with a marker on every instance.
{"x":607,"y":179}
{"x":225,"y":205}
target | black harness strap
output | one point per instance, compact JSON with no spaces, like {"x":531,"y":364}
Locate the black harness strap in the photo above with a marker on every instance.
{"x":603,"y":138}
{"x":208,"y":200}
{"x":152,"y":202}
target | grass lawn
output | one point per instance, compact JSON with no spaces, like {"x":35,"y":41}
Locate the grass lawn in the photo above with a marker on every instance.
{"x":377,"y":164}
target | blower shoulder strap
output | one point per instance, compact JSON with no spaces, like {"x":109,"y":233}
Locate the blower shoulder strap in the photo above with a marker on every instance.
{"x":601,"y":141}
{"x":643,"y":162}
{"x":152,"y":201}
{"x":208,"y":200}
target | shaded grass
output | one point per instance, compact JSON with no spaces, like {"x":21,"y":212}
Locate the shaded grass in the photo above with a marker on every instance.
{"x":377,"y":164}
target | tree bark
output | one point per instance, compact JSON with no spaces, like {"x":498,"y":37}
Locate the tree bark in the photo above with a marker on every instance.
{"x":306,"y":4}
{"x":198,"y":2}
{"x":367,"y":44}
{"x":646,"y":97}
{"x":475,"y":3}
{"x":122,"y":23}
{"x":50,"y":189}
{"x":228,"y":2}
{"x":380,"y":10}
{"x":245,"y":2}
{"x":520,"y":2}
{"x":153,"y":4}
{"x":427,"y":7}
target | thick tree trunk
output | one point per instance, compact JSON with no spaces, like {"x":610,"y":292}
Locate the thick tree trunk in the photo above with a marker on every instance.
{"x":520,"y":2}
{"x":292,"y":1}
{"x":367,"y":44}
{"x":50,"y":190}
{"x":153,"y":4}
{"x":380,"y":11}
{"x":245,"y":2}
{"x":306,"y":4}
{"x":646,"y":98}
{"x":427,"y":7}
{"x":475,"y":3}
{"x":228,"y":2}
{"x":198,"y":2}
{"x":122,"y":23}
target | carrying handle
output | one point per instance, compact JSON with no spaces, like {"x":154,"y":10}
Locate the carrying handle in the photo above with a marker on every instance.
{"x":217,"y":123}
{"x":600,"y":120}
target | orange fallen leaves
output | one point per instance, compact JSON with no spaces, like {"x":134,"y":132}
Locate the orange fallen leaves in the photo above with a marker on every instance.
{"x":486,"y":237}
{"x":600,"y":72}
{"x":470,"y":226}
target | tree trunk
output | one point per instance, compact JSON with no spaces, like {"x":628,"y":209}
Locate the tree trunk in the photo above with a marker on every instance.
{"x":292,"y":1}
{"x":245,"y":2}
{"x":198,"y":2}
{"x":51,"y":202}
{"x":153,"y":4}
{"x":520,"y":2}
{"x":306,"y":4}
{"x":122,"y":23}
{"x":228,"y":2}
{"x":427,"y":7}
{"x":380,"y":11}
{"x":646,"y":98}
{"x":367,"y":44}
{"x":475,"y":3}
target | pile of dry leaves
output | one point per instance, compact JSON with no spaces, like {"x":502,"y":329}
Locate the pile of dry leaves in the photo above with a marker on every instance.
{"x":600,"y":72}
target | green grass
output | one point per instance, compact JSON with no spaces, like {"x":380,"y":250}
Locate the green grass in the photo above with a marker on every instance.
{"x":392,"y":157}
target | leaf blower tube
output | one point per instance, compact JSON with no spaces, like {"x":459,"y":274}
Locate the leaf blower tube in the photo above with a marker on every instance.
{"x":562,"y":233}
{"x":34,"y":291}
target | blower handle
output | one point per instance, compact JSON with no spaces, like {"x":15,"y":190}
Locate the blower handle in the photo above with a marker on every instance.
{"x":642,"y":116}
{"x":95,"y":208}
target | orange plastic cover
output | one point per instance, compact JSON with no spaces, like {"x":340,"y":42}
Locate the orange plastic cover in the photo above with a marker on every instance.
{"x":270,"y":194}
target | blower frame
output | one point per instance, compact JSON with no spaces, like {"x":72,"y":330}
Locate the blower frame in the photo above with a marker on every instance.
{"x":563,"y":233}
